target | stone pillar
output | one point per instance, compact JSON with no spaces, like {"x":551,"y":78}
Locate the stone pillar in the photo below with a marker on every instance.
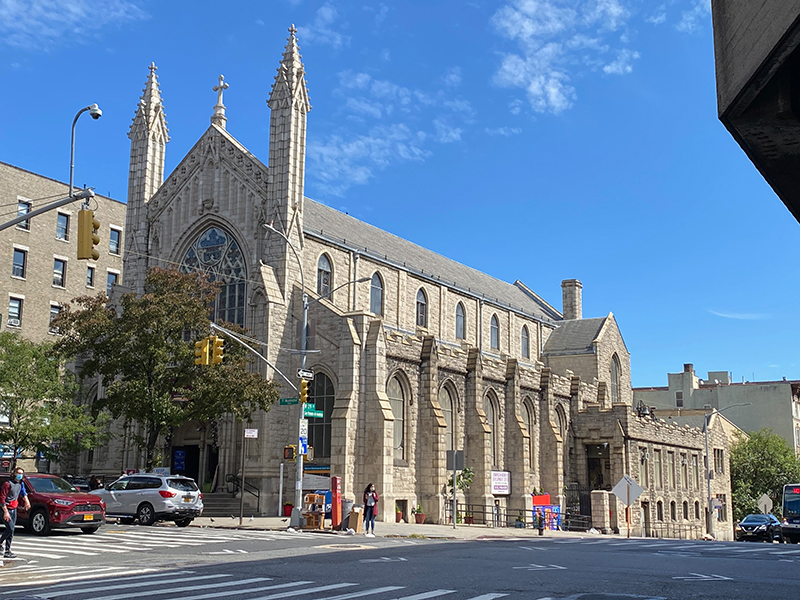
{"x":431,"y":456}
{"x":518,"y":459}
{"x":601,"y":507}
{"x":376,"y":459}
{"x":477,"y":453}
{"x":345,"y":409}
{"x":552,"y":447}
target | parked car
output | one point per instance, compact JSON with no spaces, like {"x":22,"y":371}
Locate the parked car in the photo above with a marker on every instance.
{"x":56,"y":503}
{"x":80,"y":483}
{"x":148,"y":498}
{"x":766,"y":528}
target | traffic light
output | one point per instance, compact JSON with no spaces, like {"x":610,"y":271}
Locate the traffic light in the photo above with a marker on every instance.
{"x":87,"y":235}
{"x":289,"y":452}
{"x":303,"y":390}
{"x":217,"y":349}
{"x":201,"y":351}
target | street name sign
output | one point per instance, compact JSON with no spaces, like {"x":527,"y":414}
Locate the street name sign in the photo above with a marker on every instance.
{"x":311,"y":411}
{"x":305,"y":373}
{"x":251,"y":434}
{"x":285,"y":401}
{"x":765,"y":504}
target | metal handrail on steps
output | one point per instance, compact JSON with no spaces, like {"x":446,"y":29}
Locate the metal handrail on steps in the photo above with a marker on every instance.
{"x":248,"y":487}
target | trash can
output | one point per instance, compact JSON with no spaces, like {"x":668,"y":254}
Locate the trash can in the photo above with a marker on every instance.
{"x":347,"y":506}
{"x":355,"y":518}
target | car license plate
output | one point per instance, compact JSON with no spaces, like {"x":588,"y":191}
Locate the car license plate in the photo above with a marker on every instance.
{"x":88,"y":517}
{"x":187,"y":498}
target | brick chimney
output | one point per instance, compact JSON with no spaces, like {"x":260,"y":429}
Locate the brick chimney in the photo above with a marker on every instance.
{"x":571,"y":299}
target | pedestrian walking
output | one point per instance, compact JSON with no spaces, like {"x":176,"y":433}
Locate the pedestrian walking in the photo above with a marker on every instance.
{"x":11,"y":492}
{"x":370,"y":508}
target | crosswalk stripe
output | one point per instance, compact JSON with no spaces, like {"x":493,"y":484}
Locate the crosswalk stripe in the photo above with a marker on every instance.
{"x":81,"y":577}
{"x":487,"y":597}
{"x":30,"y":546}
{"x":36,"y":554}
{"x":126,"y":585}
{"x":787,"y":552}
{"x":188,"y":588}
{"x":323,"y":588}
{"x":74,"y":544}
{"x":426,"y":595}
{"x":251,"y":590}
{"x":765,"y":548}
{"x":115,"y":579}
{"x":191,"y":537}
{"x":371,"y":592}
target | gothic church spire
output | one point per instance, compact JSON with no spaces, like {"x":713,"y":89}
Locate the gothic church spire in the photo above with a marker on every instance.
{"x":149,"y":136}
{"x":289,"y":87}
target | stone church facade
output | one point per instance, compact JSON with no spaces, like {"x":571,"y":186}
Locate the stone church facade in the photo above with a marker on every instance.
{"x":413,"y":353}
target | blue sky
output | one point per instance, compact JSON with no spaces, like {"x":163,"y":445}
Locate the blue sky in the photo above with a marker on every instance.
{"x":531,"y":139}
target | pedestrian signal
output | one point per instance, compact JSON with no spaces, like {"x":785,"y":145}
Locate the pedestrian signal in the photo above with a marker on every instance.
{"x":303,"y":390}
{"x":87,"y":235}
{"x":309,"y":452}
{"x":201,"y":352}
{"x":289,"y":452}
{"x":217,"y":349}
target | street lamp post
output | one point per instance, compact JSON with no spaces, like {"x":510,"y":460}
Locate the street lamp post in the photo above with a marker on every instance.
{"x":706,"y":420}
{"x":96,"y":113}
{"x":298,"y":485}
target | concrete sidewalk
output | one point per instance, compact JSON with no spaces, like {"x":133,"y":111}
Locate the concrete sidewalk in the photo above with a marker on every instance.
{"x":461,"y":532}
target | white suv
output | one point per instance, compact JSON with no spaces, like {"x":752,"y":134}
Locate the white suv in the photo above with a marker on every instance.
{"x":150,"y":498}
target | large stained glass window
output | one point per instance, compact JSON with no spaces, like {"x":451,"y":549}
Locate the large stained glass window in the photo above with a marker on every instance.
{"x":217,"y":254}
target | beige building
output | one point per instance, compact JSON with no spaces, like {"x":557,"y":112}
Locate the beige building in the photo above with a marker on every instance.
{"x":413,"y":354}
{"x":768,"y":404}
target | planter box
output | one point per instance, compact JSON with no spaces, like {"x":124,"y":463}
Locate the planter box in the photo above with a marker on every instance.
{"x":287,"y":510}
{"x":469,"y":520}
{"x":543,"y":500}
{"x":398,"y":517}
{"x":419,"y":518}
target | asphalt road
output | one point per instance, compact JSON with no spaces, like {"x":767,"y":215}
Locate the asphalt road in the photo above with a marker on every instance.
{"x":192,"y":564}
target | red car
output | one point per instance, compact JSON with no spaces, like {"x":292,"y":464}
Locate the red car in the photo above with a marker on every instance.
{"x":56,"y":503}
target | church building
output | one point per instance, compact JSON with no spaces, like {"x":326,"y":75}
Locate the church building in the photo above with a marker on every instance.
{"x":413,"y":354}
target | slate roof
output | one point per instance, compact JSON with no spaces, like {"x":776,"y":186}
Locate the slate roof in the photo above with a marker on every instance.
{"x":574,"y":337}
{"x":335,"y":226}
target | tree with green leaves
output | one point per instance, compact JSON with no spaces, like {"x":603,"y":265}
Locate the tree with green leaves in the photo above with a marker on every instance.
{"x":143,"y":351}
{"x":761,"y":463}
{"x":36,"y":396}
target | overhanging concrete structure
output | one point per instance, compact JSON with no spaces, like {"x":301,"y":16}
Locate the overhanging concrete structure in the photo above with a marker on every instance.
{"x":757,"y":50}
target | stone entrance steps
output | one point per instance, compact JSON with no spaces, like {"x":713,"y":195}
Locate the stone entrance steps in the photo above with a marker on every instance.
{"x":223,"y":505}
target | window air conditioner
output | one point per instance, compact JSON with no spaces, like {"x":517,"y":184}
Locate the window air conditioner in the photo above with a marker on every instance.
{"x":13,"y":322}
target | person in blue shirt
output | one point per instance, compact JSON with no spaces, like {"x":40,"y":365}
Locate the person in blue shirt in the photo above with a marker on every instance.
{"x":11,"y":492}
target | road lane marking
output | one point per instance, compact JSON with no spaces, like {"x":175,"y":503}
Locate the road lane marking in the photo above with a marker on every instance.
{"x":534,"y":567}
{"x":487,"y":597}
{"x":426,"y":595}
{"x":373,"y":591}
{"x":251,"y":590}
{"x":323,"y":588}
{"x":82,"y":577}
{"x":38,"y":554}
{"x":701,"y":577}
{"x":124,"y":578}
{"x":29,"y":546}
{"x":144,"y":584}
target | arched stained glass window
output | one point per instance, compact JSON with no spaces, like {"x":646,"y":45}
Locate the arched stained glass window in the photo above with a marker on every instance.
{"x":324,"y":276}
{"x":322,"y":396}
{"x":376,"y":295}
{"x":495,"y":331}
{"x":614,"y":378}
{"x":448,"y":409}
{"x":526,"y":342}
{"x":490,"y":408}
{"x":398,"y":403}
{"x":218,"y":255}
{"x":422,"y":309}
{"x":461,"y":329}
{"x":530,"y":424}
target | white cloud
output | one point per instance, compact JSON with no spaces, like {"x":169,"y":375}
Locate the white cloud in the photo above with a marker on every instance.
{"x":693,"y":20}
{"x":515,"y":106}
{"x":504,"y":131}
{"x":554,"y":38}
{"x":43,"y":24}
{"x":622,"y":65}
{"x":410,"y":121}
{"x":657,"y":19}
{"x":260,"y":22}
{"x":340,"y":163}
{"x":452,"y":78}
{"x":740,"y":316}
{"x":321,"y":28}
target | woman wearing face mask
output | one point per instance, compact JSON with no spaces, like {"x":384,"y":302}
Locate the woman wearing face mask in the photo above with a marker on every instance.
{"x":370,"y":509}
{"x":10,"y":493}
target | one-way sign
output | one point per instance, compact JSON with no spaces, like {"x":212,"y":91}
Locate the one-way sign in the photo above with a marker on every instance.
{"x":305,"y":374}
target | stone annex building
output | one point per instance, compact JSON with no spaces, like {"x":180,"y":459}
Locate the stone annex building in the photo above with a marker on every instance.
{"x":415,"y":354}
